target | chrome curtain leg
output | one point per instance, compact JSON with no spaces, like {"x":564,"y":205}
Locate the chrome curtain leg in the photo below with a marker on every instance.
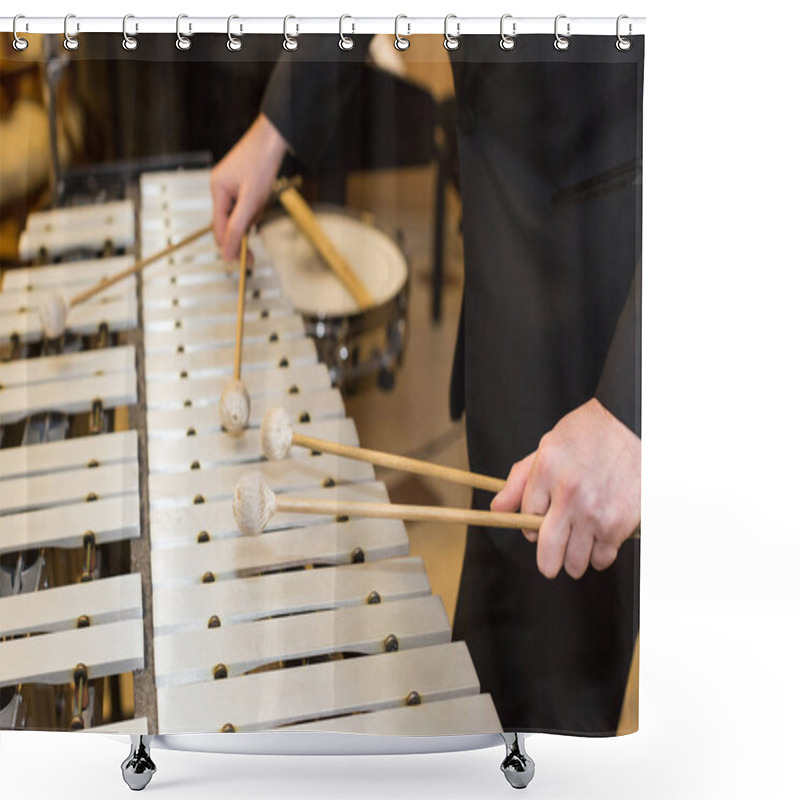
{"x":138,"y":768}
{"x":517,"y":766}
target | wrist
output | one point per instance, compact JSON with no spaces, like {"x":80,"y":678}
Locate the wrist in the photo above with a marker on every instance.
{"x":270,"y":138}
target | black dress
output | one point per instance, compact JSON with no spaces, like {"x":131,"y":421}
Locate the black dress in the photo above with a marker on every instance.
{"x":550,"y":172}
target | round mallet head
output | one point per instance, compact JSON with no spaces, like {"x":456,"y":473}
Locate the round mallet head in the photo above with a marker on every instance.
{"x":53,"y":315}
{"x":234,"y":407}
{"x":276,"y":434}
{"x":253,"y":503}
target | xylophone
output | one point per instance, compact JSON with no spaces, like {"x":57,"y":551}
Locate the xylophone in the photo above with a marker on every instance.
{"x":130,"y":601}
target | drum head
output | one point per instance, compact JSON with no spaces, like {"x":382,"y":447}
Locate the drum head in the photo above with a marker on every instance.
{"x":307,"y":279}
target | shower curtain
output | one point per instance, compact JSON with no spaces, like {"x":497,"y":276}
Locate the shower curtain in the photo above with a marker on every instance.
{"x":537,"y":159}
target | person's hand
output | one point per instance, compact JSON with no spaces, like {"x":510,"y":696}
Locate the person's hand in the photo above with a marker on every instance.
{"x":242,"y":182}
{"x":585,"y":479}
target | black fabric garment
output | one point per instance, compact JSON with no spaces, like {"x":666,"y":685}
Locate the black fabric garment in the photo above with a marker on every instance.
{"x":549,"y":157}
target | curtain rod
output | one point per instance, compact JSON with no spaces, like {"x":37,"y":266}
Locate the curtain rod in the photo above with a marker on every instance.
{"x":298,"y":25}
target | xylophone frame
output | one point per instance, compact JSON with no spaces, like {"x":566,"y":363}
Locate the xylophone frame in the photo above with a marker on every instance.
{"x":138,"y":768}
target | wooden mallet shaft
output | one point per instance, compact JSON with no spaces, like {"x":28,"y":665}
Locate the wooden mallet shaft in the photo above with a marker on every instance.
{"x":459,"y":516}
{"x":304,"y":218}
{"x":237,"y":359}
{"x":138,"y":266}
{"x":403,"y":463}
{"x":411,"y":513}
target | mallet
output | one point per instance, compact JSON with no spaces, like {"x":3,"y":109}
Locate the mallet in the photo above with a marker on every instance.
{"x":304,"y":218}
{"x":53,"y":308}
{"x":254,"y":503}
{"x":278,"y":437}
{"x":234,"y":405}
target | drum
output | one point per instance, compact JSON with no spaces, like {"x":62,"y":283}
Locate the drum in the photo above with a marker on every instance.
{"x":359,"y":346}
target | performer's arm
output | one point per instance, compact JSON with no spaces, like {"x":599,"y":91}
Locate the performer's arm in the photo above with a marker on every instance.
{"x":302,"y":105}
{"x":585,"y":476}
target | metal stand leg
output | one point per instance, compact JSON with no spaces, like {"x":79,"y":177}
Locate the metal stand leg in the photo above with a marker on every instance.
{"x":517,"y":766}
{"x":138,"y":768}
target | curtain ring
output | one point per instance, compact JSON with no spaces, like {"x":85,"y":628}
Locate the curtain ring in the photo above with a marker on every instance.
{"x":18,"y":44}
{"x":345,"y":42}
{"x":561,"y":42}
{"x":507,"y":42}
{"x":70,"y":42}
{"x":289,"y":42}
{"x":451,"y":42}
{"x":129,"y":42}
{"x":623,"y":44}
{"x":400,"y":42}
{"x":182,"y":42}
{"x":234,"y":42}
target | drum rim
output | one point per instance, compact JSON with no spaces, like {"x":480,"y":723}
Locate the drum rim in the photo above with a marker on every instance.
{"x":361,"y":316}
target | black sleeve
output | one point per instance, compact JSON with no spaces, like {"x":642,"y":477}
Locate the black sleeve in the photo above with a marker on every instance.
{"x":308,"y":90}
{"x":620,"y":385}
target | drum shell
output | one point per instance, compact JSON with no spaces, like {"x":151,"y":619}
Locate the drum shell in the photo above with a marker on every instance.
{"x":361,"y":347}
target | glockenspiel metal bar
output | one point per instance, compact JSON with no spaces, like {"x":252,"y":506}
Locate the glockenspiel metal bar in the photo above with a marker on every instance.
{"x":61,"y":608}
{"x":308,"y":407}
{"x":459,"y":716}
{"x":171,"y":490}
{"x":222,"y":334}
{"x":207,"y":450}
{"x":63,"y":277}
{"x":85,"y":320}
{"x":190,"y":274}
{"x":87,"y":485}
{"x":68,"y":367}
{"x":204,"y":363}
{"x":109,"y":649}
{"x":110,"y":519}
{"x":168,"y":183}
{"x":233,"y":599}
{"x":14,"y":301}
{"x":67,"y":396}
{"x":70,"y":454}
{"x":295,"y":380}
{"x":212,"y":292}
{"x":57,"y":242}
{"x":283,"y":697}
{"x":197,"y":316}
{"x":192,"y":656}
{"x":77,"y":217}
